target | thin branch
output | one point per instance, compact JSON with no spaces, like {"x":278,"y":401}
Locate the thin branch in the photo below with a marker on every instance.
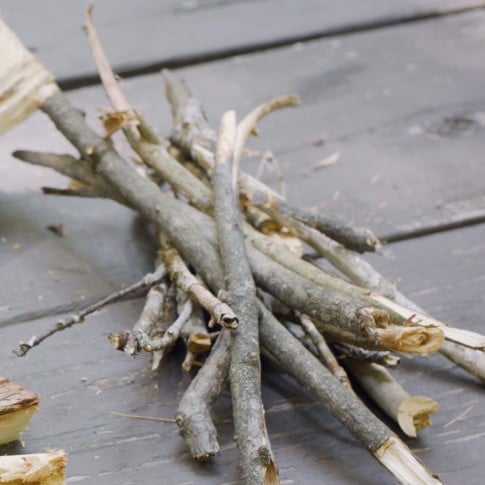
{"x":324,"y":352}
{"x":193,"y":133}
{"x":169,"y":338}
{"x":346,"y":351}
{"x":148,"y":280}
{"x":221,"y":313}
{"x":193,"y":415}
{"x":143,"y":418}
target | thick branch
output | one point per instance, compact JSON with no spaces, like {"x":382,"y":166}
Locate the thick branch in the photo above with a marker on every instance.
{"x":255,"y":456}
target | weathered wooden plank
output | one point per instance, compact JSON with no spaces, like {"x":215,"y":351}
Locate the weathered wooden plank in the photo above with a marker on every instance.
{"x":81,"y":380}
{"x":148,"y":33}
{"x":385,"y":100}
{"x":44,"y":274}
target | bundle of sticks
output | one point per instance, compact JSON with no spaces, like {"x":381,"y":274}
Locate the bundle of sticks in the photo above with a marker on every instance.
{"x":230,"y":279}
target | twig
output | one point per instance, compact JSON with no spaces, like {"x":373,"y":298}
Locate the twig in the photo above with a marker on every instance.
{"x":410,"y":412}
{"x":346,"y":351}
{"x":374,"y":436}
{"x":324,"y":352}
{"x":247,"y":126}
{"x":126,"y":341}
{"x":71,"y":167}
{"x":193,"y":415}
{"x":171,"y":335}
{"x":193,"y":133}
{"x":148,"y":280}
{"x":142,"y":417}
{"x":221,"y":313}
{"x":255,"y":457}
{"x":155,"y":155}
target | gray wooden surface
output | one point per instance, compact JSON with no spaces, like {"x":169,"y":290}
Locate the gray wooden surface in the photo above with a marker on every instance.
{"x":404,"y":107}
{"x":146,"y":33}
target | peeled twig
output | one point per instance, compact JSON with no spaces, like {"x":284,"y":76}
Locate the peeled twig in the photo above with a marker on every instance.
{"x":324,"y":352}
{"x":410,"y":412}
{"x":148,"y":280}
{"x":374,"y":436}
{"x":255,"y":457}
{"x":193,"y":415}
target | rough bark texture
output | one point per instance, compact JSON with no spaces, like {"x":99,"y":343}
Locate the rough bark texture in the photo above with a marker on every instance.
{"x":193,"y":415}
{"x":245,"y":370}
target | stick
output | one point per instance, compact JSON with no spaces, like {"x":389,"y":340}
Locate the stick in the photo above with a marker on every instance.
{"x":155,"y":155}
{"x":193,"y":413}
{"x":221,"y":313}
{"x":345,"y":316}
{"x":126,"y":341}
{"x":193,"y":133}
{"x":410,"y":412}
{"x":169,"y":338}
{"x":346,"y":351}
{"x":325,"y":354}
{"x":255,"y":457}
{"x":148,"y":280}
{"x":374,"y":436}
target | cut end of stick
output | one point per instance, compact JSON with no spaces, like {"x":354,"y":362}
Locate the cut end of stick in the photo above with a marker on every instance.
{"x":413,"y":339}
{"x":24,"y":83}
{"x":394,"y":455}
{"x":413,"y":414}
{"x":36,"y":469}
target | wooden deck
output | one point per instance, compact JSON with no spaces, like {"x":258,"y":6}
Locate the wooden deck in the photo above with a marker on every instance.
{"x":396,"y":88}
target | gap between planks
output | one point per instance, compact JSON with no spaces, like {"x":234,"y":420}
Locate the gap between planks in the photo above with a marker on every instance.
{"x":68,"y":83}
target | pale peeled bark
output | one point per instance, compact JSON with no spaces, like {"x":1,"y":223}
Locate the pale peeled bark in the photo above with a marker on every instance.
{"x":37,"y":469}
{"x":24,"y":83}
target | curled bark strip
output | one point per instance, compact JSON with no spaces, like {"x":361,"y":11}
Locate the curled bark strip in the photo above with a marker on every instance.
{"x":410,"y":412}
{"x":193,"y":416}
{"x":247,"y":126}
